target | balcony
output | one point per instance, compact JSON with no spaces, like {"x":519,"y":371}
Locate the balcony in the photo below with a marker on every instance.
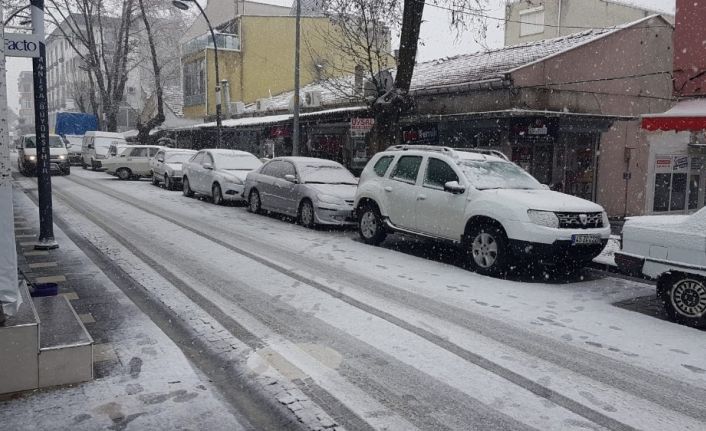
{"x":225,"y":41}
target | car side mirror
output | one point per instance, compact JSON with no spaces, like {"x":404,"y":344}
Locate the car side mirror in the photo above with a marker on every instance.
{"x":160,"y":160}
{"x":90,"y":146}
{"x":291,"y":178}
{"x":545,"y":187}
{"x":454,"y":187}
{"x":122,"y":155}
{"x":207,"y":166}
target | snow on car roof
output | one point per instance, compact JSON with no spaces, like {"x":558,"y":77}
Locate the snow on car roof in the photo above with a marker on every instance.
{"x":466,"y":155}
{"x":309,"y":160}
{"x":218,"y":151}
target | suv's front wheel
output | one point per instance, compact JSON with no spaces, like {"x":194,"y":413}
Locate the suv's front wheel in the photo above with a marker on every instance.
{"x":370,"y":225}
{"x":488,"y":249}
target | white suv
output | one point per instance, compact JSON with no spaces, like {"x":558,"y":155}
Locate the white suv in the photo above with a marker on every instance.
{"x":496,"y":210}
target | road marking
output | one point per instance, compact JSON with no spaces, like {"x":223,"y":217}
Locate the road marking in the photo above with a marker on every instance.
{"x":25,"y":235}
{"x":51,"y":279}
{"x":36,"y":253}
{"x":42,"y":265}
{"x":104,"y":352}
{"x":87,"y":318}
{"x":71,"y":296}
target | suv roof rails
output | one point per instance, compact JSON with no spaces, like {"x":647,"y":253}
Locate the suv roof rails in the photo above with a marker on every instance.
{"x":450,"y":151}
{"x":485,"y":152}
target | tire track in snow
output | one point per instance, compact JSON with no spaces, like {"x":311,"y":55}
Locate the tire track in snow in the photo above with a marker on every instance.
{"x":497,"y":369}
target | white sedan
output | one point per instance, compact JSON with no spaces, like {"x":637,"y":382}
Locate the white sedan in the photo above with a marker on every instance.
{"x":166,"y":166}
{"x":672,"y":250}
{"x":132,"y":162}
{"x":219,"y":174}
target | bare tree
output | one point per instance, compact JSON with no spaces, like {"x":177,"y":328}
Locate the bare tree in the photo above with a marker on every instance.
{"x":158,"y":117}
{"x":101,"y":34}
{"x":362,"y":24}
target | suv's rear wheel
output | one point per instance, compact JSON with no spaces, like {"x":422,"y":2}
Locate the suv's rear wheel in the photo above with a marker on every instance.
{"x":684,"y":297}
{"x":370,"y":225}
{"x":488,"y":249}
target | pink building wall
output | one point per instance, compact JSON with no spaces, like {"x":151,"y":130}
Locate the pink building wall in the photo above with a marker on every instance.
{"x":690,"y":49}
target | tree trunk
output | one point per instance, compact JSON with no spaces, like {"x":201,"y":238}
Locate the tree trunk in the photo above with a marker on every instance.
{"x":388,"y":113}
{"x":144,"y":129}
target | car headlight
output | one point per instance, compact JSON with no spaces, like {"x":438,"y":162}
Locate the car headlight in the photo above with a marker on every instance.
{"x":543,"y":218}
{"x":329,"y":199}
{"x":62,"y":157}
{"x":234,"y":180}
{"x":606,"y":221}
{"x":32,"y":158}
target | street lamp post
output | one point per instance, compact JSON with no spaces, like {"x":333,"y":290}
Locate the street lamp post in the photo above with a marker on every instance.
{"x":295,"y":117}
{"x":182,"y":4}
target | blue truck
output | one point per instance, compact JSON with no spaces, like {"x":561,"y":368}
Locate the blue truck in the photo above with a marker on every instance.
{"x":71,"y":126}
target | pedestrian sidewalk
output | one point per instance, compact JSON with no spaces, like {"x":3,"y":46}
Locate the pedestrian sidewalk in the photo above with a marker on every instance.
{"x":142,"y":380}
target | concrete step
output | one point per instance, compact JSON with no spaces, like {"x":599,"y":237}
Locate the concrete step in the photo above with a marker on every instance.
{"x":65,"y":346}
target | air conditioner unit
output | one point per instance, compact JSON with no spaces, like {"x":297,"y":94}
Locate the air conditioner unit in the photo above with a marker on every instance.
{"x":311,"y":99}
{"x":263,"y":105}
{"x":236,"y":108}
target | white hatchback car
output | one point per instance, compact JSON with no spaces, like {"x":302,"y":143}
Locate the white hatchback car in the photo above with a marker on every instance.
{"x":219,"y":174}
{"x":672,"y":250}
{"x":132,"y":162}
{"x":496,"y":210}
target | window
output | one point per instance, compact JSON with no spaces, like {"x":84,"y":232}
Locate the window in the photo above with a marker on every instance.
{"x":661,"y":201}
{"x":194,"y":82}
{"x":407,"y":168}
{"x":207,"y":159}
{"x":139,"y":152}
{"x":532,"y":21}
{"x":153,"y":151}
{"x":381,"y":165}
{"x":198,"y":158}
{"x":678,"y":199}
{"x":694,"y":182}
{"x":279,"y":169}
{"x":439,"y":173}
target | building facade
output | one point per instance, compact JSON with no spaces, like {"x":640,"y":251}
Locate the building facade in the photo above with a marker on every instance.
{"x":531,"y":20}
{"x":25,"y":91}
{"x":256,"y":56}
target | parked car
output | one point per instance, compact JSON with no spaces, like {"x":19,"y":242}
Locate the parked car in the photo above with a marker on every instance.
{"x":95,"y":146}
{"x":166,"y":166}
{"x":132,"y":163}
{"x":316,"y":191}
{"x":219,"y":174}
{"x":490,"y":206}
{"x":672,"y":250}
{"x":116,"y":148}
{"x":73,"y":146}
{"x":27,"y":155}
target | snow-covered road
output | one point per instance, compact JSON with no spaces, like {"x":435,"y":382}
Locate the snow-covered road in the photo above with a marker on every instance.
{"x":379,"y":337}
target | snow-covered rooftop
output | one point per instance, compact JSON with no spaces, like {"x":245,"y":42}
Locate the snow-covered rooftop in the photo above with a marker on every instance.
{"x":462,"y":69}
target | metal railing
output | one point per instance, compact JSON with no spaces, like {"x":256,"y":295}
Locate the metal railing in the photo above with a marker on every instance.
{"x":224,"y":41}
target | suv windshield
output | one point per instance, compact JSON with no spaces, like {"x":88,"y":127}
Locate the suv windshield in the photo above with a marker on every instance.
{"x":326,"y":174}
{"x":237,"y":162}
{"x":486,"y":175}
{"x":54,"y":142}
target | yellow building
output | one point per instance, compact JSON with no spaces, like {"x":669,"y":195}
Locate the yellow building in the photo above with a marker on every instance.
{"x":255,"y":55}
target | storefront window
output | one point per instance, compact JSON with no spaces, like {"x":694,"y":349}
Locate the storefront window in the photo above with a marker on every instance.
{"x":694,"y":190}
{"x":678,"y":183}
{"x":678,"y":199}
{"x":662,"y":182}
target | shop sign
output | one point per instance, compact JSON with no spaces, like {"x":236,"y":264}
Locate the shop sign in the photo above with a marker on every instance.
{"x":21,"y":45}
{"x":681,"y":162}
{"x":280,"y":132}
{"x":535,"y":129}
{"x":421,"y":135}
{"x":663,"y":162}
{"x":364,"y":124}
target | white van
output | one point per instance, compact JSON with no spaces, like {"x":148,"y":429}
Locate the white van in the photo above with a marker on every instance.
{"x":95,"y":147}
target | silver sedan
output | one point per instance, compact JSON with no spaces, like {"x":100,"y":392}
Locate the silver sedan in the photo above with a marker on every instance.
{"x":315,"y":191}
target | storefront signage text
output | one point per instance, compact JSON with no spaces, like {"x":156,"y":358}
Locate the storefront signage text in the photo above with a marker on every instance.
{"x":21,"y":45}
{"x":362,"y":123}
{"x":421,"y":135}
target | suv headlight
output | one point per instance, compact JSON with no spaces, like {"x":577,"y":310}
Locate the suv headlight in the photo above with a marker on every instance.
{"x":543,"y":218}
{"x":329,"y":199}
{"x":32,"y":158}
{"x":62,"y":157}
{"x":606,"y":221}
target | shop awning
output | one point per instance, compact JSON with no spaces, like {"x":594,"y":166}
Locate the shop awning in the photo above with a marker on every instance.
{"x":687,"y":115}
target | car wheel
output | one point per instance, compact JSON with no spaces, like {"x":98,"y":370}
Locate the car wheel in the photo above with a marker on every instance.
{"x":83,"y":164}
{"x":168,"y":183}
{"x":67,"y":171}
{"x":217,"y":194}
{"x":155,"y":180}
{"x":370,"y":225}
{"x":124,"y":174}
{"x":254,"y":203}
{"x":93,"y":165}
{"x":306,"y":214}
{"x":488,"y":249}
{"x":684,"y":297}
{"x":186,"y":190}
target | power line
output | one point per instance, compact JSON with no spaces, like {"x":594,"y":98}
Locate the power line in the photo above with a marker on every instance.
{"x":614,"y":78}
{"x":506,"y":20}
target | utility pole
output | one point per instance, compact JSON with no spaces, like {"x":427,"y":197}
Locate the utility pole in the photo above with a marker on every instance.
{"x":41,"y":123}
{"x":295,"y":118}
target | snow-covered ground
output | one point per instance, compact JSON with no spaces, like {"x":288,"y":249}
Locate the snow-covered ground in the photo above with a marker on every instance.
{"x":401,"y":335}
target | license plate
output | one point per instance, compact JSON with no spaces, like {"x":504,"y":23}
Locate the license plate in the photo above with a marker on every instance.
{"x":585,"y":239}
